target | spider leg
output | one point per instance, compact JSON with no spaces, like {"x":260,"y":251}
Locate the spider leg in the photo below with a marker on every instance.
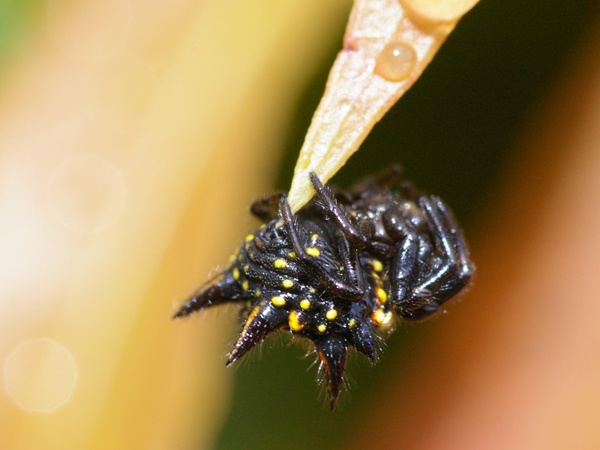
{"x":409,"y":191}
{"x":312,"y":262}
{"x":452,"y":272}
{"x":350,"y":258}
{"x":403,"y":268}
{"x":466,"y":268}
{"x":263,"y":208}
{"x":404,"y":257}
{"x":376,"y":183}
{"x":457,"y":265}
{"x":337,"y":213}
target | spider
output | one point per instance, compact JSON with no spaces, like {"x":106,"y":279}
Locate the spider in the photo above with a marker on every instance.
{"x":340,"y":270}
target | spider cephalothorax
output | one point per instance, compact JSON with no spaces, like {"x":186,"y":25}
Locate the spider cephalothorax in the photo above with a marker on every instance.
{"x":339,"y":270}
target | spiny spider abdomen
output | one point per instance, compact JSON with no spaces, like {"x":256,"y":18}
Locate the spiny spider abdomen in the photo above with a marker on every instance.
{"x":339,"y":270}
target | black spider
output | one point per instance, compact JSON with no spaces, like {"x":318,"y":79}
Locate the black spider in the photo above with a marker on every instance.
{"x":338,"y":270}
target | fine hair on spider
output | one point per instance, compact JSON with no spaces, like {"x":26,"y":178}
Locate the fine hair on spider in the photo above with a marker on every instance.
{"x":341,"y":270}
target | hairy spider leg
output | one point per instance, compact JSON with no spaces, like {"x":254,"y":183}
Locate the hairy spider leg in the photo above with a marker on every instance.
{"x":263,"y":209}
{"x":466,"y":267}
{"x":404,"y":258}
{"x":354,"y":239}
{"x":403,"y":268}
{"x":451,"y":276}
{"x":365,"y":187}
{"x":459,"y":270}
{"x":338,"y":214}
{"x":350,"y":258}
{"x":338,"y":287}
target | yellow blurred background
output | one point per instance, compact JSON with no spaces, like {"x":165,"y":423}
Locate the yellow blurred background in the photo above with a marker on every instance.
{"x":134,"y":134}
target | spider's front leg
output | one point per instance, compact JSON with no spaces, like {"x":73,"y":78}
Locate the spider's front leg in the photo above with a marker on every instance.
{"x":352,"y":287}
{"x":435,"y":267}
{"x":264,"y":208}
{"x":376,"y":183}
{"x":338,"y":214}
{"x":404,"y":256}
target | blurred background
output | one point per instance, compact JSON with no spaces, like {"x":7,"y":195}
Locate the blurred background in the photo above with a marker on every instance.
{"x":133,"y":135}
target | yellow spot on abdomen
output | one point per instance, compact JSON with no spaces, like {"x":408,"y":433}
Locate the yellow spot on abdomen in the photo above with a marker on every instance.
{"x":287,"y":284}
{"x":278,"y":300}
{"x":235,"y":273}
{"x":249,"y":238}
{"x":377,"y":265}
{"x":322,"y":328}
{"x":293,"y":322}
{"x":305,"y":304}
{"x":245,"y":285}
{"x":280,"y":263}
{"x":331,"y":314}
{"x":380,"y":317}
{"x":352,"y":323}
{"x":381,"y":295}
{"x":313,"y":251}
